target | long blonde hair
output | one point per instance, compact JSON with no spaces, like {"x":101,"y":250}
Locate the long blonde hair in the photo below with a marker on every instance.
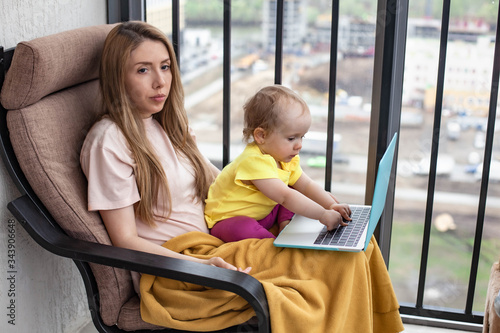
{"x":150,"y":176}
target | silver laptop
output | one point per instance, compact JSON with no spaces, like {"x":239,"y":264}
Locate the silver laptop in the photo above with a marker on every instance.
{"x":306,"y":233}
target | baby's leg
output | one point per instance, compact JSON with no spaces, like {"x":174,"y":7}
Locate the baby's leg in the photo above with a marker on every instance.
{"x":284,"y":214}
{"x":239,"y":227}
{"x":284,"y":217}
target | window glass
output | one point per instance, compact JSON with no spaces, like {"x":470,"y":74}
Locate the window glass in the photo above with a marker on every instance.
{"x":454,"y":212}
{"x":306,"y":67}
{"x":201,"y":56}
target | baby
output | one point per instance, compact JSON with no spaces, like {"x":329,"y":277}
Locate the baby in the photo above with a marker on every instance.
{"x":265,"y":185}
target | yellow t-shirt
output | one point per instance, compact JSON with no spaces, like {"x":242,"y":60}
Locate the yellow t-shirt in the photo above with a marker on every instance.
{"x":229,"y":196}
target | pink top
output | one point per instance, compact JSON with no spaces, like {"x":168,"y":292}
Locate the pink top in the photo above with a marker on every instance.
{"x":109,"y":166}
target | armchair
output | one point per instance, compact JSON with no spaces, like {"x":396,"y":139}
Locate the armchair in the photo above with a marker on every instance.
{"x":49,"y":100}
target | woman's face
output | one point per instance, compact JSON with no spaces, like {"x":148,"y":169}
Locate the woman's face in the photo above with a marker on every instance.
{"x":148,"y":77}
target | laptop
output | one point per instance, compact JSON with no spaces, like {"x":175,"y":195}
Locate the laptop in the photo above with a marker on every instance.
{"x":306,"y":233}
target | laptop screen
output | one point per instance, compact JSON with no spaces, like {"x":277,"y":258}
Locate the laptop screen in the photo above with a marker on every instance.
{"x":381,"y":186}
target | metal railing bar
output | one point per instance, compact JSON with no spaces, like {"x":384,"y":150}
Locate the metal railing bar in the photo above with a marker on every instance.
{"x":385,"y":117}
{"x":137,"y":10}
{"x":400,"y":14}
{"x":332,"y":88}
{"x":226,"y":97}
{"x":176,"y":30}
{"x":278,"y":61}
{"x":126,"y":10}
{"x":490,"y":130}
{"x":434,"y":151}
{"x":114,"y":14}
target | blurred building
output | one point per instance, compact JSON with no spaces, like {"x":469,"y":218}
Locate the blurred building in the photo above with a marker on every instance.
{"x":294,"y":25}
{"x":467,"y":75}
{"x":465,"y":30}
{"x":356,"y":37}
{"x":159,"y":14}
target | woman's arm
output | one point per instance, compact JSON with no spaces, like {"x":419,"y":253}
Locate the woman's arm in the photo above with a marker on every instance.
{"x":120,"y":224}
{"x":214,"y":169}
{"x":298,"y":203}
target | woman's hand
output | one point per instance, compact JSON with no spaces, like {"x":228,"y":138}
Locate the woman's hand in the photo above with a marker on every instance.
{"x":219,"y":262}
{"x":122,"y":230}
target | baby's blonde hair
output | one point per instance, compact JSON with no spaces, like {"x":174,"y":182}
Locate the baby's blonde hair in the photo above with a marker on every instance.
{"x":265,"y":108}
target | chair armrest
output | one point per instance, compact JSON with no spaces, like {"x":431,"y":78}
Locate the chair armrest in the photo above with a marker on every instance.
{"x":41,"y":230}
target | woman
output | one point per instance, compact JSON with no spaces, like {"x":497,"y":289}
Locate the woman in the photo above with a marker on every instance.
{"x":143,"y":102}
{"x":148,"y":180}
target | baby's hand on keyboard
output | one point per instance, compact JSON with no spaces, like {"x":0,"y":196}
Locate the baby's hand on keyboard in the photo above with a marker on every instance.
{"x":344,"y":210}
{"x":332,"y":219}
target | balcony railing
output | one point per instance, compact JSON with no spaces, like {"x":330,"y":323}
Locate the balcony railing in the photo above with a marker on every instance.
{"x":385,"y":120}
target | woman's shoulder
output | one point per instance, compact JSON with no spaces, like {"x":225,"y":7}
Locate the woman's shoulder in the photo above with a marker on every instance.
{"x":104,"y":127}
{"x":105,"y":133}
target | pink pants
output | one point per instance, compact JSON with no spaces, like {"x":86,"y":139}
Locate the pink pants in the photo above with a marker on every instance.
{"x":242,"y":227}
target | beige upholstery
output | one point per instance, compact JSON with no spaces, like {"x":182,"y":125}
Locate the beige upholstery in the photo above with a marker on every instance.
{"x":491,"y":322}
{"x":53,"y":63}
{"x":53,"y":92}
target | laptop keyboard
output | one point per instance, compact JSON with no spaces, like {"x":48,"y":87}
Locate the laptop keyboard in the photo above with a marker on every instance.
{"x":346,"y":235}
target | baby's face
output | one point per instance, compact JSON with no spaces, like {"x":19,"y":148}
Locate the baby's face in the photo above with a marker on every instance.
{"x":285,"y":142}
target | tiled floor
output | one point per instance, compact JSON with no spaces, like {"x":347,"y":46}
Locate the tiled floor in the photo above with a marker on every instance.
{"x":427,"y":329}
{"x":408,"y":329}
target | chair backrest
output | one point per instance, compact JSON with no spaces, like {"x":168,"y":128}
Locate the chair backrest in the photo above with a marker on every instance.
{"x":51,"y":92}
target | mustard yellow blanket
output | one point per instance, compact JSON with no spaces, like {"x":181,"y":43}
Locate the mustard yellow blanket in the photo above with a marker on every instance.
{"x":307,"y":290}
